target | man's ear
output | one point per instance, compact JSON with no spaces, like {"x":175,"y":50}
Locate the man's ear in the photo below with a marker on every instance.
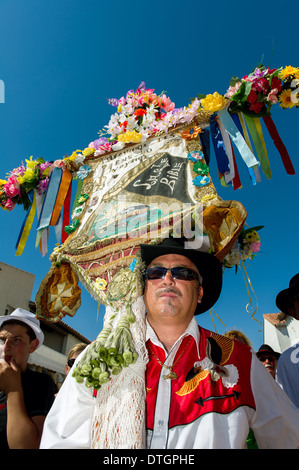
{"x":33,"y":345}
{"x":200,"y":294}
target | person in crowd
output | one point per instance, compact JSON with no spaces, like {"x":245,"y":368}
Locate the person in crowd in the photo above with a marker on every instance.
{"x":287,"y":374}
{"x":269,"y":358}
{"x":26,"y":396}
{"x":204,"y":390}
{"x":73,"y":354}
{"x":239,"y":335}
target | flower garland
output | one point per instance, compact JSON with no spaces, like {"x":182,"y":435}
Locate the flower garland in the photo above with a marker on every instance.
{"x":142,"y":114}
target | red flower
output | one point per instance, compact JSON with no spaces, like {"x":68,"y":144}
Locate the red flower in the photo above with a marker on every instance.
{"x":276,"y":83}
{"x":252,"y":97}
{"x":256,"y":107}
{"x":262,"y":85}
{"x":140,"y":112}
{"x":124,"y":125}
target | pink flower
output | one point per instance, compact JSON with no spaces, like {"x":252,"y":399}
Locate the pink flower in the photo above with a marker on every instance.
{"x":167,"y":104}
{"x":56,"y":164}
{"x":255,"y":247}
{"x":9,"y":205}
{"x":102,"y":149}
{"x":12,"y":187}
{"x":273,"y":96}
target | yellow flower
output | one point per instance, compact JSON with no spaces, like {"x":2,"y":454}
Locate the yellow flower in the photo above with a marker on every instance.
{"x":287,"y":71}
{"x":213,"y":102}
{"x":29,"y":174}
{"x":130,"y":136}
{"x":31,"y":163}
{"x":21,"y":179}
{"x":3,"y":182}
{"x":285,"y":99}
{"x":88,"y":151}
{"x":100,"y":283}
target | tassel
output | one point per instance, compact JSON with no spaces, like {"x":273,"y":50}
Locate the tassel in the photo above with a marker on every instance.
{"x":279,"y":145}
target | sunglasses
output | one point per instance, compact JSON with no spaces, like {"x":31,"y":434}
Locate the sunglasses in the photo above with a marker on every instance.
{"x":70,"y":362}
{"x":179,"y":273}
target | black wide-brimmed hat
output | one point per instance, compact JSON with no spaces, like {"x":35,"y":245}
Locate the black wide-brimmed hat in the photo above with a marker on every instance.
{"x":208,"y":266}
{"x":284,"y":298}
{"x":266,"y":349}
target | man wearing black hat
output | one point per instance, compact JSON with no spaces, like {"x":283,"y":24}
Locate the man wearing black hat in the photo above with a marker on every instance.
{"x":204,"y":390}
{"x":287,"y":374}
{"x":269,"y":358}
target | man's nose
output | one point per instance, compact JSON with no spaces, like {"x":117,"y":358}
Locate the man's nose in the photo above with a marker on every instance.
{"x":168,"y":279}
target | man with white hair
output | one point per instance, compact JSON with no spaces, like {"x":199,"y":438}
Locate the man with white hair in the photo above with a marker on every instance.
{"x":25,"y":395}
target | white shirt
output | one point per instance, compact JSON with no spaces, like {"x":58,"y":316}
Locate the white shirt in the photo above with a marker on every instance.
{"x":275,"y":421}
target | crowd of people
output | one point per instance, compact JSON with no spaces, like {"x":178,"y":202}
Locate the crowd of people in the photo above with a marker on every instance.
{"x":203,"y":390}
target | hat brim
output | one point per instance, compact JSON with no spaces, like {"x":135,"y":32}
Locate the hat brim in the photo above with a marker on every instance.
{"x":283,"y":301}
{"x":38,"y":333}
{"x":208,"y":266}
{"x":267,"y":351}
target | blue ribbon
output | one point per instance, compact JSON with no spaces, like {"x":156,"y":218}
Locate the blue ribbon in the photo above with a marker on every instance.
{"x":237,"y":138}
{"x":237,"y":122}
{"x":204,"y":138}
{"x":220,"y":152}
{"x":50,"y":199}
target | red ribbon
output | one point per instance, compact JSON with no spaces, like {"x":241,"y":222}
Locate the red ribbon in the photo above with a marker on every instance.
{"x":236,"y":180}
{"x":66,"y":213}
{"x":279,"y":145}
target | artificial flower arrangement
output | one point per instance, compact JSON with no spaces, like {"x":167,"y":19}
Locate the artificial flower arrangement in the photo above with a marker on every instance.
{"x":34,"y":175}
{"x":255,"y":93}
{"x":247,"y":246}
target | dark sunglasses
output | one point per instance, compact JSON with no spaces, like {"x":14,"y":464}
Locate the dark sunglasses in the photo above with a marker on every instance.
{"x":70,"y":362}
{"x":180,"y":273}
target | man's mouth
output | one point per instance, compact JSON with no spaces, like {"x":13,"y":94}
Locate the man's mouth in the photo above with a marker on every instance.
{"x":168,"y":293}
{"x":7,"y":358}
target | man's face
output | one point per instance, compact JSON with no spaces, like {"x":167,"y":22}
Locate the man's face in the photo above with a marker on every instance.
{"x":16,"y":344}
{"x":169,"y":298}
{"x":270,"y":362}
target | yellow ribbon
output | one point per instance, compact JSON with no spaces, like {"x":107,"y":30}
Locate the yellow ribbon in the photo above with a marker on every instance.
{"x":248,"y":282}
{"x":212,"y":310}
{"x":27,"y":228}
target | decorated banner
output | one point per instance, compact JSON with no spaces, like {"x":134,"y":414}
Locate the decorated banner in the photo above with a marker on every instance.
{"x":145,"y":178}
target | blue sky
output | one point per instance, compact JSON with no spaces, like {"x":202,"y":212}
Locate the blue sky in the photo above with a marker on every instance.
{"x":61,"y":60}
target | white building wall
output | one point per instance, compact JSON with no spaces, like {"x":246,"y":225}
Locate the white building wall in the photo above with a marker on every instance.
{"x":15,"y":288}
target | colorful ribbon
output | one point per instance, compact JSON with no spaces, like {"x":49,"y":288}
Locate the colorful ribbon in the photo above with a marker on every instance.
{"x":50,"y":199}
{"x":279,"y":145}
{"x":61,"y":195}
{"x":220,"y":153}
{"x":204,"y":138}
{"x":27,"y":224}
{"x":66,"y":213}
{"x":255,"y":130}
{"x":237,"y":138}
